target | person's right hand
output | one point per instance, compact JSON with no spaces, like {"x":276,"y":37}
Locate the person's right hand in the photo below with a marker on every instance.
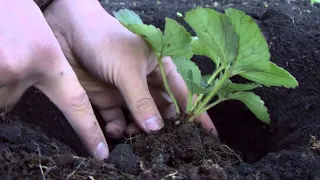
{"x":30,"y":55}
{"x":117,"y":69}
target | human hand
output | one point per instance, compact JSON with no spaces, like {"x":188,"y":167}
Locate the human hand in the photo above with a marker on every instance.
{"x":30,"y":55}
{"x":116,"y":68}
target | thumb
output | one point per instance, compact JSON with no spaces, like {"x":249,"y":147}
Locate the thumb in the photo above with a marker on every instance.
{"x":140,"y":102}
{"x":65,"y":91}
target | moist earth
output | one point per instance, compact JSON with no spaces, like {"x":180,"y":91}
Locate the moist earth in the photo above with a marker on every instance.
{"x":36,"y":141}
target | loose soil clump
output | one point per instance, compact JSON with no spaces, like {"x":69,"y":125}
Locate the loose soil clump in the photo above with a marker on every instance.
{"x":180,"y":150}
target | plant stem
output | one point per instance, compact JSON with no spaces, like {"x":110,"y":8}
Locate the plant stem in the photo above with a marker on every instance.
{"x":189,"y":101}
{"x":212,"y":93}
{"x":166,"y":85}
{"x":212,"y":77}
{"x":211,"y":105}
{"x":206,"y":108}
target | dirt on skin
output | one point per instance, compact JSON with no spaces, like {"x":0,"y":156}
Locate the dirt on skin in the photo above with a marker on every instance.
{"x":248,"y":149}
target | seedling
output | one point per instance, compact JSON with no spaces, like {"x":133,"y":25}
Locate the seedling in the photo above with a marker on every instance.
{"x":232,"y":40}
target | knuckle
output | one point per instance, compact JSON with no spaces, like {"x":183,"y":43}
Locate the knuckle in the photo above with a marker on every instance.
{"x":79,"y":100}
{"x":46,"y":50}
{"x":10,"y":67}
{"x":144,"y":105}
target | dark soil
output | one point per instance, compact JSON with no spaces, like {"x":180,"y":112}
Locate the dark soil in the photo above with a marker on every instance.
{"x":248,"y":149}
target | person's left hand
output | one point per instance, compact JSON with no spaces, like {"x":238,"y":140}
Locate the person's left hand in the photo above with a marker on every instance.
{"x":116,"y":67}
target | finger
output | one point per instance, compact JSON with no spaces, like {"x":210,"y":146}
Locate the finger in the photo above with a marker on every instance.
{"x":12,"y":84}
{"x":179,"y":89}
{"x":64,"y":90}
{"x":175,"y":81}
{"x":139,"y":100}
{"x":108,"y":100}
{"x":132,"y":130}
{"x":206,"y":122}
{"x":9,"y":96}
{"x":115,"y":122}
{"x":163,"y":102}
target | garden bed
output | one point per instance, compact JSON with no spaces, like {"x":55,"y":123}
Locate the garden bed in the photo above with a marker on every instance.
{"x":36,"y":135}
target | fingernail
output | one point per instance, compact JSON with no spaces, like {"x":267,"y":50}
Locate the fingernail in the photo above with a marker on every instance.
{"x":154,"y":123}
{"x":102,"y":151}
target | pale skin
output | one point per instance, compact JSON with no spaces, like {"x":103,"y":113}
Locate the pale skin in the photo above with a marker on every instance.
{"x":79,"y":55}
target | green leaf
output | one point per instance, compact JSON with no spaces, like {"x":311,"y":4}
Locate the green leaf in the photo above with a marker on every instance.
{"x":149,"y":33}
{"x":254,"y":103}
{"x":253,"y":53}
{"x":231,"y":87}
{"x":215,"y":31}
{"x":184,"y":65}
{"x":177,"y":40}
{"x":275,"y":76}
{"x":201,"y":49}
{"x":205,"y":79}
{"x":190,"y":73}
{"x":126,"y":16}
{"x":133,"y":23}
{"x":195,"y":88}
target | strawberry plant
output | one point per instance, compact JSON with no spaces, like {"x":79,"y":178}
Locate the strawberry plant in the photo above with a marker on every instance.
{"x":232,"y":40}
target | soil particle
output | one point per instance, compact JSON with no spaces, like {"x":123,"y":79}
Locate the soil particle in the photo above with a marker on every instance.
{"x":186,"y":143}
{"x":315,"y":145}
{"x":11,"y":134}
{"x":122,"y":157}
